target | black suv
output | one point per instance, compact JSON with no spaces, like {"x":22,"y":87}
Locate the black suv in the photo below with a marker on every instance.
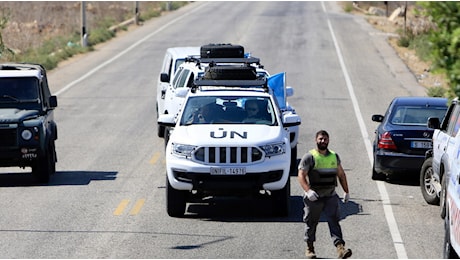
{"x":27,"y":127}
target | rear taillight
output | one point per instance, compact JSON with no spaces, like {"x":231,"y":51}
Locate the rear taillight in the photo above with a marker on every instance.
{"x":385,"y":142}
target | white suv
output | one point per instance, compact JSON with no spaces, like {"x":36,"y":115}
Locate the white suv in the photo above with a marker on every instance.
{"x":195,"y":67}
{"x":173,"y":58}
{"x":440,"y":175}
{"x":216,"y":149}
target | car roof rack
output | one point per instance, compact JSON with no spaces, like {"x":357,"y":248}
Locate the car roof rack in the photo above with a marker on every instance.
{"x":199,"y":60}
{"x":260,"y":83}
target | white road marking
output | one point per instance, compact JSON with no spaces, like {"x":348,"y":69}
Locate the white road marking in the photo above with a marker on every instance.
{"x":391,"y":221}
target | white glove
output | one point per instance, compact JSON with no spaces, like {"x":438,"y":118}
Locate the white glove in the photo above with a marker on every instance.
{"x":346,"y":197}
{"x":311,"y":195}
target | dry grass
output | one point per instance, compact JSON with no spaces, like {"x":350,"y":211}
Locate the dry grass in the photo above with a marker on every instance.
{"x":32,"y":23}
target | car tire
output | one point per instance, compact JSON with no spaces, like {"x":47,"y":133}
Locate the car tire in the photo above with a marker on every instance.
{"x":442,"y":196}
{"x":46,"y":164}
{"x":160,"y":129}
{"x":166,"y":136}
{"x":281,"y":200}
{"x":293,"y":168}
{"x":175,"y":201}
{"x":448,"y":250}
{"x":377,"y":176}
{"x":427,"y":183}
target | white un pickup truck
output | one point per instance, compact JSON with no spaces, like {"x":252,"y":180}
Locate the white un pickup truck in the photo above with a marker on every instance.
{"x":230,"y":139}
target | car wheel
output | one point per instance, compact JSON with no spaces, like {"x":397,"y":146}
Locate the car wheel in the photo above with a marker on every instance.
{"x":377,"y":176}
{"x":175,"y":201}
{"x":448,"y":251}
{"x":281,"y":200}
{"x":160,"y":129}
{"x":166,"y":136}
{"x":293,"y":169}
{"x":428,"y":182}
{"x":46,"y":164}
{"x":442,"y":197}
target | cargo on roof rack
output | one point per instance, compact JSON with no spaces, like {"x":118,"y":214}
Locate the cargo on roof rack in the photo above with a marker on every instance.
{"x":226,"y":72}
{"x":250,"y":60}
{"x":222,"y":50}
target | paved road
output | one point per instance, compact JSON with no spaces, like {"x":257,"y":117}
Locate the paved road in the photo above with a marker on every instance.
{"x":107,"y":198}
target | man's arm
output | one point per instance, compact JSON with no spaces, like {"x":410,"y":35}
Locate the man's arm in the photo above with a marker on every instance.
{"x":303,"y":180}
{"x":342,"y":178}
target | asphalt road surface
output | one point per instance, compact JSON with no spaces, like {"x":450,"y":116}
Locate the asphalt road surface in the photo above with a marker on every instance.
{"x":107,"y":199}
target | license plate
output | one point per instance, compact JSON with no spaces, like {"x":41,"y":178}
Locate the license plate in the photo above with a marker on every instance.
{"x":228,"y":171}
{"x":421,"y":144}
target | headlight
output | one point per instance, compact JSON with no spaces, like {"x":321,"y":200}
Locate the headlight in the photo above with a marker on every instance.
{"x":273,"y":149}
{"x":26,"y":134}
{"x":183,"y":149}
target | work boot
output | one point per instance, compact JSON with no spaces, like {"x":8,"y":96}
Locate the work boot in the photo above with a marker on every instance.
{"x":343,"y":252}
{"x":310,"y":252}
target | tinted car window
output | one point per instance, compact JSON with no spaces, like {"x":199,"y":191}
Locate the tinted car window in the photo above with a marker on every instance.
{"x":415,"y":115}
{"x":454,"y":122}
{"x":19,"y":88}
{"x":228,"y":110}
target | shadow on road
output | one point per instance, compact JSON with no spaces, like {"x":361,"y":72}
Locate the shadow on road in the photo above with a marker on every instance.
{"x":257,"y":210}
{"x":25,"y":179}
{"x":243,"y":210}
{"x":406,"y":179}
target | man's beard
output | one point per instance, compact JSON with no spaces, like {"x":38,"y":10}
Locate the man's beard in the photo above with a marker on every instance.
{"x":321,"y":147}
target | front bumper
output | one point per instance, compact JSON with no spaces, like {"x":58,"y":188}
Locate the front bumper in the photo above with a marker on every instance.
{"x":269,"y":174}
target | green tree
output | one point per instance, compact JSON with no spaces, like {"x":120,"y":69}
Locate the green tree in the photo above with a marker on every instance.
{"x":445,"y":39}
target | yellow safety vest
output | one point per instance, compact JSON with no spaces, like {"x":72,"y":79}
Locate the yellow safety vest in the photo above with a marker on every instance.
{"x":323,"y":176}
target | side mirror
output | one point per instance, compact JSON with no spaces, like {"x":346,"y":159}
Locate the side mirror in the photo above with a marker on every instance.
{"x":164,"y":77}
{"x":291,"y":120}
{"x":289,"y":91}
{"x":434,"y":123}
{"x":53,"y":101}
{"x":377,"y":118}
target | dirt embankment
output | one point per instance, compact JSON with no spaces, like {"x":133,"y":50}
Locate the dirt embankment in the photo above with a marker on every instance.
{"x":390,"y":19}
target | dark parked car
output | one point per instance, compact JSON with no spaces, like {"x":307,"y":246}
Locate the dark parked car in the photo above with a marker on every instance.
{"x":402,"y":137}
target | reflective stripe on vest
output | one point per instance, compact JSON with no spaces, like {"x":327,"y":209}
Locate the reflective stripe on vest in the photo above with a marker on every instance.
{"x":324,"y":173}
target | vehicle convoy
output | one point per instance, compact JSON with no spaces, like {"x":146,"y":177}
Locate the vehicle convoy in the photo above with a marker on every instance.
{"x":403,"y":137}
{"x":194,"y":67}
{"x":440,"y":175}
{"x":27,"y":127}
{"x":173,"y":58}
{"x":438,"y":160}
{"x":220,"y":146}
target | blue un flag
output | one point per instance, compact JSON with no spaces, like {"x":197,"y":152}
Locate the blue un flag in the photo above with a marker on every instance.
{"x":277,"y":84}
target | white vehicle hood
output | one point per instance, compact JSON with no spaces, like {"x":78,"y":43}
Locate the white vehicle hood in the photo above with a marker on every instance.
{"x":226,"y":135}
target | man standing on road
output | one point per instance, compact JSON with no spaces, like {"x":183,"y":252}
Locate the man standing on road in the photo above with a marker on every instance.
{"x":318,"y":172}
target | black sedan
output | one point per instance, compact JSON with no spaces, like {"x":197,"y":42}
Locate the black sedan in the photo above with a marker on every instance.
{"x":402,"y":137}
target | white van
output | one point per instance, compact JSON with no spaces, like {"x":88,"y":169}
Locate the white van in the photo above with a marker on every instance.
{"x":174,"y":57}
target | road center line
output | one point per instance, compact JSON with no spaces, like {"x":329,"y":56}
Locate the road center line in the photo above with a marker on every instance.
{"x":388,"y":210}
{"x":121,"y":207}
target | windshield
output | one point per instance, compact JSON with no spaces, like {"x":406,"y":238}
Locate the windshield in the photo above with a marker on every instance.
{"x":416,"y":115}
{"x":229,"y":110}
{"x":18,"y":89}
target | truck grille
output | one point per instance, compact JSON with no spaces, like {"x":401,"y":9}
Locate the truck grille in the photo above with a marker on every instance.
{"x":228,"y":155}
{"x":8,"y":137}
